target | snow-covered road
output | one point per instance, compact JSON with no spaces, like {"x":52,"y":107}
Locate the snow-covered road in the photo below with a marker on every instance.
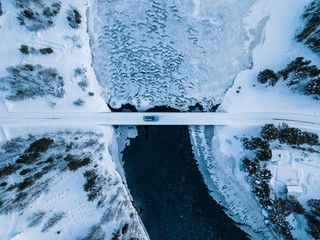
{"x":163,"y":118}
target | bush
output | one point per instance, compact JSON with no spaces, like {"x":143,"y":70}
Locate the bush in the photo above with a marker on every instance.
{"x":74,"y":165}
{"x":91,"y":185}
{"x":314,"y":205}
{"x":310,"y":34}
{"x":314,"y":226}
{"x":293,"y":205}
{"x":28,"y":158}
{"x":36,"y":219}
{"x":45,"y":51}
{"x":251,"y":166}
{"x":84,"y":83}
{"x":25,"y":171}
{"x":264,"y":155}
{"x":38,"y":175}
{"x":79,"y":102}
{"x":116,"y":235}
{"x":277,"y":216}
{"x":27,"y":182}
{"x":95,"y":232}
{"x":41,"y":145}
{"x":125,"y":229}
{"x":79,"y":72}
{"x":313,"y":87}
{"x":8,"y":170}
{"x":3,"y":184}
{"x":53,"y":221}
{"x":294,"y":136}
{"x":24,"y":49}
{"x":35,"y":15}
{"x":1,"y":9}
{"x":74,"y":18}
{"x":267,"y":75}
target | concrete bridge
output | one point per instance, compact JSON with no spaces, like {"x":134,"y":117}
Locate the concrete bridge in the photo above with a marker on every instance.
{"x":162,"y":118}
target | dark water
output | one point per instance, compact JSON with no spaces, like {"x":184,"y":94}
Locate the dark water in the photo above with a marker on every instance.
{"x":168,"y":189}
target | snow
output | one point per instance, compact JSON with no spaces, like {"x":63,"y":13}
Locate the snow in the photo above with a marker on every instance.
{"x":65,"y":192}
{"x":217,"y":153}
{"x":292,"y":189}
{"x":20,"y":236}
{"x":271,"y":26}
{"x":280,"y":155}
{"x":275,"y":50}
{"x":66,"y":57}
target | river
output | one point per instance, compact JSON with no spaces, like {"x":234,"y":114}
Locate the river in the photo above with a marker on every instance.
{"x":168,"y":188}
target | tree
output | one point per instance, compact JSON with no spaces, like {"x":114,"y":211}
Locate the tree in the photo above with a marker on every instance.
{"x":24,"y":49}
{"x":314,"y":226}
{"x":267,"y":75}
{"x":314,"y":205}
{"x":250,"y":166}
{"x":313,"y":87}
{"x":74,"y":18}
{"x":293,"y":205}
{"x":264,"y":155}
{"x":269,"y":132}
{"x":254,"y":143}
{"x":45,"y":51}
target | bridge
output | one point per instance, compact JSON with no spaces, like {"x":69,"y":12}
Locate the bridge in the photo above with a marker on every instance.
{"x":162,"y":118}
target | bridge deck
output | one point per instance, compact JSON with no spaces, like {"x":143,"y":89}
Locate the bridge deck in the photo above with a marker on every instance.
{"x":163,"y":118}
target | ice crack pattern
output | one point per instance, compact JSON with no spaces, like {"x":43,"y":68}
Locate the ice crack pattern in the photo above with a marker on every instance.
{"x":174,"y":53}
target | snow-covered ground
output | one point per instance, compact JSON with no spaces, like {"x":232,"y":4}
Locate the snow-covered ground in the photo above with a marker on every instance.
{"x":277,"y":47}
{"x":300,"y":169}
{"x":218,"y":159}
{"x":273,"y":25}
{"x":71,"y":50}
{"x":62,"y":191}
{"x":63,"y":202}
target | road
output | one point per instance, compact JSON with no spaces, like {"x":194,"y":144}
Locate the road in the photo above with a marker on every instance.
{"x":163,"y":118}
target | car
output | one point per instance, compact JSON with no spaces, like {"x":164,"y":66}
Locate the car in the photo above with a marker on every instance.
{"x":150,"y":118}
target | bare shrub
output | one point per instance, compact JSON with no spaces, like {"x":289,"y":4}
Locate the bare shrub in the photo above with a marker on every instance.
{"x":53,"y":221}
{"x":36,"y":15}
{"x":36,"y":219}
{"x":79,"y":102}
{"x":29,"y":81}
{"x":74,"y":18}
